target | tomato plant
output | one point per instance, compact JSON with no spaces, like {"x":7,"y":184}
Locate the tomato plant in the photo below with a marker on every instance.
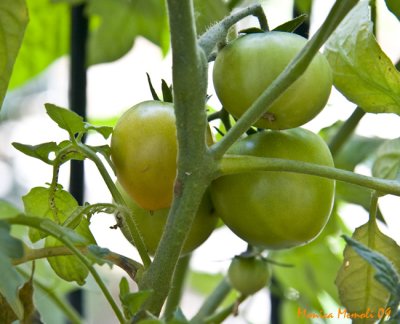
{"x":272,"y":183}
{"x":151,"y":223}
{"x":250,"y":203}
{"x":248,"y":274}
{"x":249,"y":64}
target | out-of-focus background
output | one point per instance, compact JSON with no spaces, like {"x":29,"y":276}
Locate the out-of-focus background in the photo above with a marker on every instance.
{"x":114,"y":87}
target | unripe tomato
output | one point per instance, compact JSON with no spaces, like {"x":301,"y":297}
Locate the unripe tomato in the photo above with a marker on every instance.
{"x":248,"y":275}
{"x":151,"y":223}
{"x":144,"y":151}
{"x":272,"y":209}
{"x":248,"y":65}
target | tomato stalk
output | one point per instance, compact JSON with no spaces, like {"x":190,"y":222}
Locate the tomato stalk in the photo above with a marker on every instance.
{"x":217,"y":33}
{"x":291,"y":73}
{"x":212,"y":302}
{"x":136,"y":237}
{"x":194,"y":164}
{"x":241,"y":163}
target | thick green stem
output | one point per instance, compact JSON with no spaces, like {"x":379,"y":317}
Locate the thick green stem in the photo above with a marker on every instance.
{"x":178,"y":284}
{"x":212,"y":302}
{"x":195,"y":165}
{"x":133,"y":230}
{"x":291,"y":73}
{"x":244,"y":163}
{"x":53,"y":229}
{"x":130,"y":266}
{"x":345,"y":131}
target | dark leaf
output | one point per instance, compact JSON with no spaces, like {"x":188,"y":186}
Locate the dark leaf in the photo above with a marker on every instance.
{"x":292,"y":25}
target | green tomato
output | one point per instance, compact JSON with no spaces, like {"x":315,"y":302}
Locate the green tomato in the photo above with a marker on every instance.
{"x":248,"y":275}
{"x":151,"y":223}
{"x":144,"y":151}
{"x":277,"y":210}
{"x":248,"y":65}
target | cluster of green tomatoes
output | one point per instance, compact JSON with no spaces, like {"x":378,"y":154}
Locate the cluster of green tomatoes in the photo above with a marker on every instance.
{"x":268,"y":209}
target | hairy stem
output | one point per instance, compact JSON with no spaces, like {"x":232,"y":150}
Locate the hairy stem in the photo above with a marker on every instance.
{"x":177,"y":286}
{"x":195,"y":165}
{"x":226,"y":312}
{"x":244,"y":163}
{"x":291,"y":73}
{"x":133,"y":230}
{"x":128,"y":265}
{"x":217,"y":33}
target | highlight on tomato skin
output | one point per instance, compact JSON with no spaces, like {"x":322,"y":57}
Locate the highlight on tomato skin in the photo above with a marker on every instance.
{"x":151,"y":223}
{"x":248,"y":275}
{"x":144,"y":151}
{"x":245,"y":67}
{"x":276,"y":210}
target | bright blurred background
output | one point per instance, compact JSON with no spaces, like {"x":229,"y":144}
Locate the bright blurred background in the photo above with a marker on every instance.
{"x":114,"y":87}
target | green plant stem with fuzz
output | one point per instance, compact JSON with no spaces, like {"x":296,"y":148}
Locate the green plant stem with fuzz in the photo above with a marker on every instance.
{"x":212,"y":302}
{"x":217,"y":33}
{"x":195,"y":166}
{"x":56,"y":231}
{"x":291,"y":73}
{"x":231,"y":164}
{"x":178,"y":284}
{"x":133,"y":229}
{"x":69,"y":312}
{"x":128,"y":265}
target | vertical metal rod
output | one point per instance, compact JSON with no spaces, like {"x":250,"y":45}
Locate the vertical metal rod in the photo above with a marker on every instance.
{"x":77,"y":103}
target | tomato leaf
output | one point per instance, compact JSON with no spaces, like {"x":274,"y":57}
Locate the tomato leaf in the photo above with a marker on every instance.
{"x":386,"y":274}
{"x":387,"y":162}
{"x":7,"y":209}
{"x":105,"y":131}
{"x":357,"y":286}
{"x":45,"y":40}
{"x":98,"y":253}
{"x":131,"y":302}
{"x":362,"y":72}
{"x":394,"y":7}
{"x":66,"y":119}
{"x":291,"y":25}
{"x":129,"y":19}
{"x":10,"y":279}
{"x":70,"y":268}
{"x":40,"y":151}
{"x":13,"y":21}
{"x":36,"y":203}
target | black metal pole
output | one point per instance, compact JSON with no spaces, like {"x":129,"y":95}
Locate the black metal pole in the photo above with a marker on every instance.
{"x":77,"y":103}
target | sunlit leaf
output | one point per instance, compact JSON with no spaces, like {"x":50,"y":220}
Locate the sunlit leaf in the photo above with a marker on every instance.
{"x":36,"y":203}
{"x":105,"y":131}
{"x":70,"y":268}
{"x":362,"y":72}
{"x":46,"y":39}
{"x":358,"y":288}
{"x":128,"y":20}
{"x":66,"y":119}
{"x":387,"y":162}
{"x":40,"y":151}
{"x":13,"y":21}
